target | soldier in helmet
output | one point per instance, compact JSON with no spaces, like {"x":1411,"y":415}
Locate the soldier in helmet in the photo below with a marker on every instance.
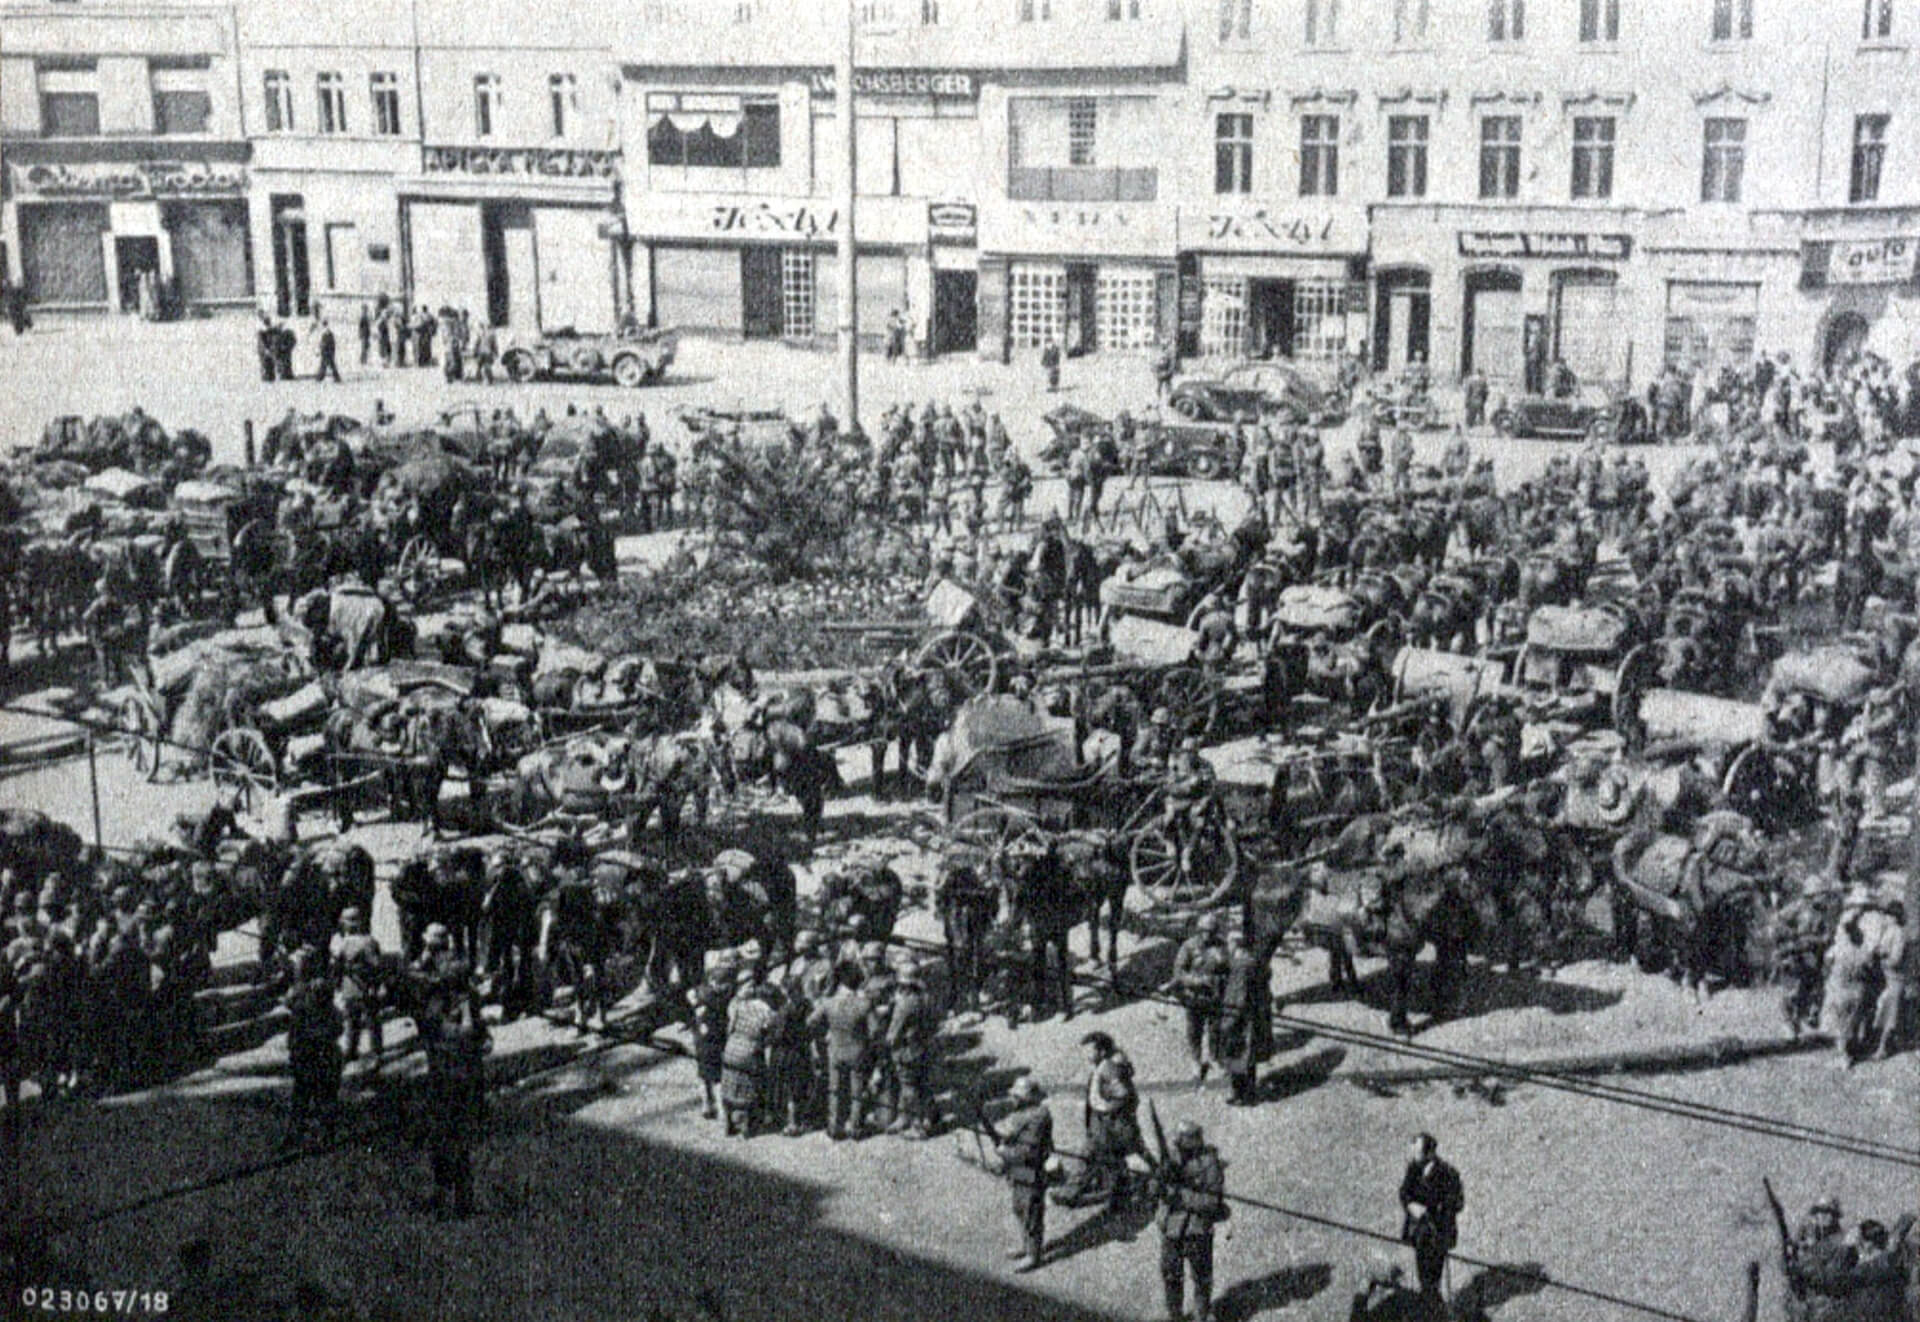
{"x":1192,"y":1190}
{"x":966,"y":906}
{"x":1155,"y":745}
{"x":1026,"y":1155}
{"x":711,"y":1001}
{"x":1190,"y":783}
{"x":910,"y":1032}
{"x":1199,"y":974}
{"x":843,"y":1020}
{"x":356,"y":958}
{"x":457,"y":1104}
{"x":880,"y":984}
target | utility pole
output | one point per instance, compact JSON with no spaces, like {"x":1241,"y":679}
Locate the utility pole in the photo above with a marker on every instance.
{"x":849,"y":283}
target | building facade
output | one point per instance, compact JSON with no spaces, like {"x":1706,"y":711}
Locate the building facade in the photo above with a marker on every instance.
{"x":124,"y":161}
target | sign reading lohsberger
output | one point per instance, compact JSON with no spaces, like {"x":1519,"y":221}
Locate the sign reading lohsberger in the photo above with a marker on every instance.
{"x":117,"y":180}
{"x":902,"y":82}
{"x":1519,"y":243}
{"x":1871,"y":261}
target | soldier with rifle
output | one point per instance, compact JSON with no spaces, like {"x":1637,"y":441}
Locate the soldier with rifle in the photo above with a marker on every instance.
{"x":1024,"y":1153}
{"x":1191,"y":1184}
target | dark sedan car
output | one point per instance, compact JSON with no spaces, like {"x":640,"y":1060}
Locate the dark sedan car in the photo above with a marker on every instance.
{"x":1587,"y":413}
{"x":1258,"y":389}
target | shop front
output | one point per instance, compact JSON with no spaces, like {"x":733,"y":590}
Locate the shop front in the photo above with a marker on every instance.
{"x":137,"y":234}
{"x":525,"y":238}
{"x":1861,"y":293}
{"x":1279,"y":282}
{"x":767,"y":268}
{"x":1087,"y":276}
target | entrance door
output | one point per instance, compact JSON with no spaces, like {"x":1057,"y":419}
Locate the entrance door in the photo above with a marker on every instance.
{"x":1082,"y":293}
{"x":1586,"y":334}
{"x":1494,"y":327}
{"x":513,"y":273}
{"x":1403,"y":308}
{"x":1270,"y":317}
{"x":955,"y":311}
{"x":760,"y":291}
{"x":292,"y":290}
{"x":1846,"y":337}
{"x":134,"y":257}
{"x":576,"y":270}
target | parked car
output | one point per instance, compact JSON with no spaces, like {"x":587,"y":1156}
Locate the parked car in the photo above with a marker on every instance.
{"x":1175,"y":449}
{"x":1589,"y":412}
{"x":1257,"y":388}
{"x":632,"y":356}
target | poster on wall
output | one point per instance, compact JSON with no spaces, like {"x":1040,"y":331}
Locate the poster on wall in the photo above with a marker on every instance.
{"x":1871,"y":261}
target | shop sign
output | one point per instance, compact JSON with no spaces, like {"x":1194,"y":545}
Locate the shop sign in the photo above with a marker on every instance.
{"x":902,"y":82}
{"x":1523,"y":243}
{"x":523,"y":162}
{"x":1871,"y":261}
{"x":1267,"y":230}
{"x":769,"y":219}
{"x":120,"y":180}
{"x":952,"y":220}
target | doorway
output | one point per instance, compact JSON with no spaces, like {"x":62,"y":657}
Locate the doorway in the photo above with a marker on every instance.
{"x":292,"y":287}
{"x":1082,"y":292}
{"x":1402,"y":317}
{"x":760,"y":267}
{"x":1846,"y":336}
{"x":1270,"y":318}
{"x":135,"y":257}
{"x":1492,"y":326}
{"x":955,"y":312}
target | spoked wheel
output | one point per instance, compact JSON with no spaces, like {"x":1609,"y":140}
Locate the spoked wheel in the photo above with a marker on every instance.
{"x":967,"y":660}
{"x":986,"y":835}
{"x":242,"y":763}
{"x":1193,"y":697}
{"x":1157,"y":869}
{"x":419,"y":566}
{"x":141,"y":721}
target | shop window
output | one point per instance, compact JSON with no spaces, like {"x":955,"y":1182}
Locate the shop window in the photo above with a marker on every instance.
{"x":563,"y":100}
{"x":1732,"y":20}
{"x":385,"y":90}
{"x":177,"y":113}
{"x":1233,"y":153}
{"x":1223,"y":317}
{"x":279,"y":98}
{"x":1723,"y":160}
{"x":1236,"y":20}
{"x":797,"y":294}
{"x":1123,"y":307}
{"x":1319,"y":155}
{"x":1407,"y":155}
{"x":1593,"y":158}
{"x":1869,"y":154}
{"x":331,"y":95}
{"x":1500,"y":156}
{"x":486,"y":104}
{"x":1410,"y":21}
{"x":70,"y":114}
{"x":1876,"y":20}
{"x":1599,"y":20}
{"x":1506,"y":20}
{"x":712,"y":131}
{"x":1319,"y":321}
{"x":1082,"y":117}
{"x":1036,"y":311}
{"x":1323,"y":23}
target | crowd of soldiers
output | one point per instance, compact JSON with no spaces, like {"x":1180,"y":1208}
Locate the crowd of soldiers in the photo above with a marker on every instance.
{"x":391,"y":331}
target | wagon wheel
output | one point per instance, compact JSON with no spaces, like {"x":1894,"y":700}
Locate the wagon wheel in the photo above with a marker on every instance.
{"x":1767,"y":785}
{"x":418,"y":567}
{"x":1193,"y":696}
{"x":985,"y":835}
{"x":1383,"y":642}
{"x":1153,"y":861}
{"x":967,"y":660}
{"x":1639,"y":671}
{"x":241,"y":762}
{"x":140,"y":720}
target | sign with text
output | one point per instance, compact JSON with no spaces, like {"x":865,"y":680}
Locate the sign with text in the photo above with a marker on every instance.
{"x":1871,"y":261}
{"x":1275,"y":229}
{"x":1075,"y":228}
{"x":727,"y":217}
{"x":121,"y":180}
{"x":772,"y":219}
{"x":952,"y":221}
{"x":949,"y":83}
{"x":1525,"y":243}
{"x":523,"y":162}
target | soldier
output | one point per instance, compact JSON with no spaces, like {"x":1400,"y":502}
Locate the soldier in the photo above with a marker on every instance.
{"x":1199,"y":976}
{"x":1402,"y":461}
{"x":910,"y":1035}
{"x":1079,"y":465}
{"x":1866,"y":748}
{"x":1281,"y":467}
{"x":1476,"y":397}
{"x":1016,"y":488}
{"x":711,"y":1001}
{"x":265,"y":338}
{"x":1800,"y":955}
{"x":751,"y":1021}
{"x":1214,"y":634}
{"x":313,"y":1055}
{"x":843,"y":1019}
{"x":1162,"y":371}
{"x":1245,"y":1033}
{"x":1025,"y":1155}
{"x":329,"y":348}
{"x":1190,"y":783}
{"x":966,"y":907}
{"x":879,"y":984}
{"x":457,"y":1101}
{"x":356,"y":958}
{"x":1369,"y":450}
{"x":1431,"y":1196}
{"x":1192,"y":1190}
{"x":940,"y":504}
{"x":1155,"y":746}
{"x":1050,"y":364}
{"x":1111,"y":1117}
{"x":1310,"y":469}
{"x":790,"y":1065}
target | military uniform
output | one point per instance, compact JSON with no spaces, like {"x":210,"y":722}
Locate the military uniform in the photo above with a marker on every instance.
{"x":1192,"y":1203}
{"x":1024,"y":1153}
{"x":910,"y":1034}
{"x":843,"y":1020}
{"x":1113,"y":1133}
{"x":457,"y":1101}
{"x":1245,"y":1035}
{"x":1199,"y":976}
{"x":356,"y":959}
{"x":313,"y":1056}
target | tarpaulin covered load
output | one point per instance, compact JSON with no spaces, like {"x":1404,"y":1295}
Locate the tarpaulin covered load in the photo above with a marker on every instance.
{"x":1834,"y":674}
{"x":996,"y":738}
{"x":951,"y":606}
{"x":1317,"y":607}
{"x":1577,"y":629}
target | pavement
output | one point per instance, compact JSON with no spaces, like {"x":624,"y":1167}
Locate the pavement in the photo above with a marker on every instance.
{"x":604,"y":1194}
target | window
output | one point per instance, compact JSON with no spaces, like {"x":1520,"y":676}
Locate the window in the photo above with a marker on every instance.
{"x":1409,"y":21}
{"x":1236,"y":20}
{"x":1223,"y":316}
{"x":1319,"y":155}
{"x":1869,"y":154}
{"x":70,"y":114}
{"x":1233,"y":153}
{"x":1323,"y":22}
{"x":563,"y":95}
{"x":1500,"y":156}
{"x":1035,"y":10}
{"x":279,"y":93}
{"x":1723,"y":160}
{"x":712,"y":132}
{"x":1123,"y":308}
{"x":332,"y":89}
{"x":1319,"y":321}
{"x":796,"y":293}
{"x":181,"y":112}
{"x":929,"y":13}
{"x":1119,"y":9}
{"x":1599,"y":20}
{"x":486,"y":104}
{"x":1876,"y":20}
{"x":1506,"y":20}
{"x":1406,"y":156}
{"x":385,"y":88}
{"x":1082,"y":115}
{"x":1732,"y":20}
{"x":1593,"y":158}
{"x":1036,"y":304}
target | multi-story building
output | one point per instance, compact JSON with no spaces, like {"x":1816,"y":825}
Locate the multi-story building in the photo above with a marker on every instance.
{"x":123,"y":157}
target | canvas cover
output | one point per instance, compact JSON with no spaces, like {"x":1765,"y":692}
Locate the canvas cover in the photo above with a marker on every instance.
{"x":1153,"y":642}
{"x":1834,"y":674}
{"x":996,"y":738}
{"x":1317,"y":607}
{"x":951,"y":605}
{"x":1576,"y":629}
{"x":1673,"y":714}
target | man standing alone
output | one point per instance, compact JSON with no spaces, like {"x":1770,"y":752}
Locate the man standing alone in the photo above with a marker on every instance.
{"x":1431,"y":1197}
{"x":1024,"y":1155}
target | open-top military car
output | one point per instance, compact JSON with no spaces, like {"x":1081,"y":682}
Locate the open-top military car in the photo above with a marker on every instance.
{"x":632,"y":357}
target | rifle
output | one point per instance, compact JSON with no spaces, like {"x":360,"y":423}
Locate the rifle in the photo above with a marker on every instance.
{"x":1162,"y":1157}
{"x":1786,"y":1240}
{"x":974,"y":1115}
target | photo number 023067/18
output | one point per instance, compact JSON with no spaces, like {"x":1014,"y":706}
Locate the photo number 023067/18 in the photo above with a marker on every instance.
{"x":1248,"y":659}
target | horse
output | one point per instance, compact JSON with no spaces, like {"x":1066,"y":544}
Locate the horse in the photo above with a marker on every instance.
{"x":868,"y":895}
{"x":1043,"y":900}
{"x":783,"y":753}
{"x":667,"y":772}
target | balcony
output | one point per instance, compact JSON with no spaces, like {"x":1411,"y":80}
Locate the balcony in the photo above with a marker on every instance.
{"x":1083,"y":183}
